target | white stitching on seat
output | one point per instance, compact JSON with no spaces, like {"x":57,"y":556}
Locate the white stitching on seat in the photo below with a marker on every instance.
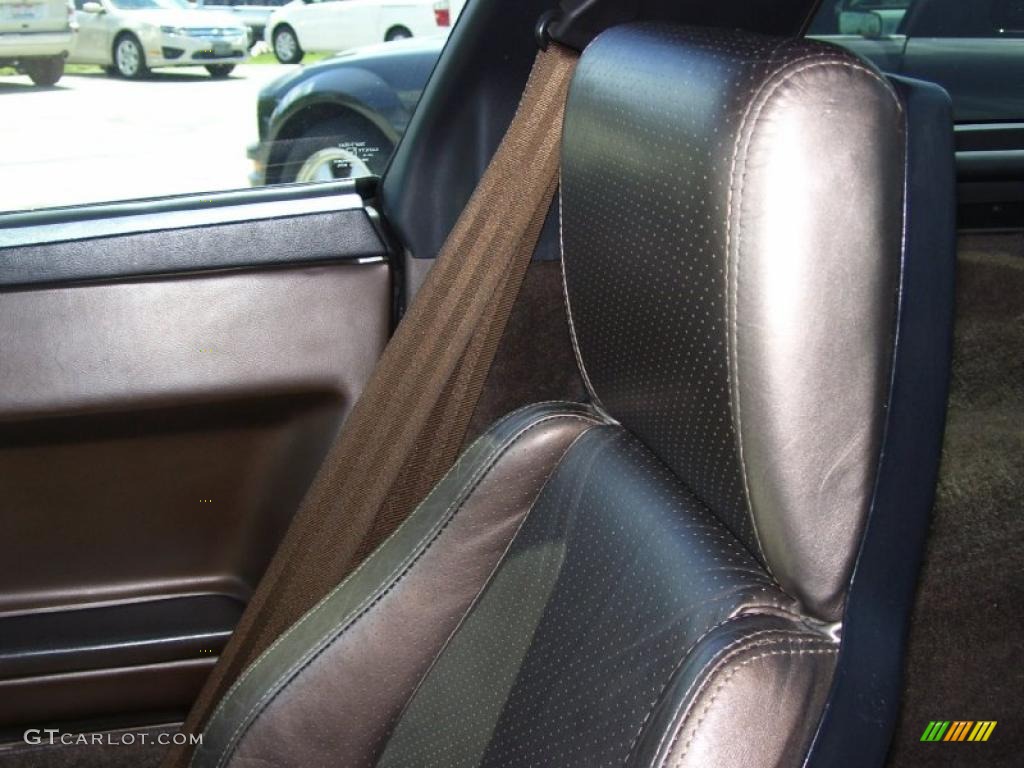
{"x":682,"y":660}
{"x":490,"y":577}
{"x":284,"y":635}
{"x":728,"y":679}
{"x":720,"y":658}
{"x":568,"y":310}
{"x":386,"y":585}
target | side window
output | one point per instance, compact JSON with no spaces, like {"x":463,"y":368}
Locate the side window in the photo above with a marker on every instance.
{"x":951,"y":18}
{"x":193,"y":96}
{"x":972,"y":48}
{"x":859,"y":17}
{"x":977,"y":18}
{"x":975,"y":50}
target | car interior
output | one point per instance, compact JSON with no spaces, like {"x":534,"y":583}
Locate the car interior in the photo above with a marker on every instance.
{"x":661,"y":404}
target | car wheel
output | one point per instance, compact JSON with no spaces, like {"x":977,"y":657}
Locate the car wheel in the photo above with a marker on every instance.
{"x":129,"y":60}
{"x":346,"y":148}
{"x":45,"y":71}
{"x":286,"y":46}
{"x":397,"y":33}
{"x":220,"y":71}
{"x":112,"y":71}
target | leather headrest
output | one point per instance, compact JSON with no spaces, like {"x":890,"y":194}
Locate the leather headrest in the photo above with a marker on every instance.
{"x":732,"y":214}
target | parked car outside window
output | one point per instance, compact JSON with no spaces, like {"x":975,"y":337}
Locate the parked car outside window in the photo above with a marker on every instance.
{"x":130,"y":37}
{"x":253,"y":13}
{"x":342,"y":117}
{"x":972,"y":48}
{"x":335,"y":25}
{"x":36,"y":37}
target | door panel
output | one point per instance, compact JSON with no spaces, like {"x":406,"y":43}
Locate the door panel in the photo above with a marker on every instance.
{"x":975,"y":71}
{"x":93,"y":43}
{"x":168,"y":388}
{"x":314,"y":23}
{"x":195,"y":339}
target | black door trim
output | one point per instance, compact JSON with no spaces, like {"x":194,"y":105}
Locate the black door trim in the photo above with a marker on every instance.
{"x":233,"y":230}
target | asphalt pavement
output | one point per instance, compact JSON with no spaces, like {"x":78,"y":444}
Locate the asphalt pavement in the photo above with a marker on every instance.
{"x":94,"y":138}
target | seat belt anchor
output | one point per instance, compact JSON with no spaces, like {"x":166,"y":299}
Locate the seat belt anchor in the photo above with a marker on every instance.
{"x":542,"y":30}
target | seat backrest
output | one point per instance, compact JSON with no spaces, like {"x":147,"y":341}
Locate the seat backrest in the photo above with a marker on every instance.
{"x":660,"y":579}
{"x":732,"y":228}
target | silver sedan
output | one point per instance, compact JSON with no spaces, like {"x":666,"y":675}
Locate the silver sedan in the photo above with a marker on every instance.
{"x":130,"y":37}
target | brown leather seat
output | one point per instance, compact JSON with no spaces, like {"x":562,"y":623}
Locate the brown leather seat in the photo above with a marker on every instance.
{"x":662,"y":576}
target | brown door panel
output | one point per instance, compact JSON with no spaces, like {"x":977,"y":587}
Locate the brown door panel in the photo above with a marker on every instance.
{"x":159,"y":426}
{"x":155,"y":437}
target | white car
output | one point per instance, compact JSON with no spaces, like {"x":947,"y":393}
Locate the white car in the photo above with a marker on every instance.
{"x":130,"y":37}
{"x":336,"y":25}
{"x":36,"y":36}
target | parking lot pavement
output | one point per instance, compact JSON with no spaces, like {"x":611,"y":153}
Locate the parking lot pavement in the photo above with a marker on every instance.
{"x":94,"y":138}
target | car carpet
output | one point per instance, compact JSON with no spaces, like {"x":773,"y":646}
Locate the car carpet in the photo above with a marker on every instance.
{"x":965,"y":654}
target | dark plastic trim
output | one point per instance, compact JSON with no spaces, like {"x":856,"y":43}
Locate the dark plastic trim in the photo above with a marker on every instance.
{"x":110,"y":636}
{"x":200,"y":213}
{"x":166,"y":242}
{"x":1005,"y":164}
{"x":364,"y":187}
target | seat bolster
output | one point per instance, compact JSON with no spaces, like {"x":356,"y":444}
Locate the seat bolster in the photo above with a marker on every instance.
{"x":748,"y":671}
{"x":358,"y":655}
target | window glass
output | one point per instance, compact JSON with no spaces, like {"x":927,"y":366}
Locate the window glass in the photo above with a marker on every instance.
{"x":827,"y":21}
{"x":972,"y":48}
{"x":124,"y":99}
{"x":953,"y":18}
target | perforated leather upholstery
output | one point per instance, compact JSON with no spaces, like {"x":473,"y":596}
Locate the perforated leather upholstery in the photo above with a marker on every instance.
{"x":732,"y":215}
{"x":586,"y":630}
{"x":656,"y":579}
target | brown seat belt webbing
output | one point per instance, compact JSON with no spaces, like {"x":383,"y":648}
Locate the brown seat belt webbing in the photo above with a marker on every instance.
{"x":408,"y":425}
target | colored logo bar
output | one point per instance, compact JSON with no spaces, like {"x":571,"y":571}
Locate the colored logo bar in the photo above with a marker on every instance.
{"x":958,"y":730}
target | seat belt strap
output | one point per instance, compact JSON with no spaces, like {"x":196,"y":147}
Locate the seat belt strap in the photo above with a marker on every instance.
{"x":409,"y":424}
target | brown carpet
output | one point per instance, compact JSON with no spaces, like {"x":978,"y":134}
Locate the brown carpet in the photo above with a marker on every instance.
{"x":966,"y":655}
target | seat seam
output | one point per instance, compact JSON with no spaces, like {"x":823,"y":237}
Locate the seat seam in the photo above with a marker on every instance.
{"x":568,"y":308}
{"x":747,"y":128}
{"x":678,"y":664}
{"x":391,"y":581}
{"x":490,"y":576}
{"x":312,"y":611}
{"x":730,"y":676}
{"x":719,"y":659}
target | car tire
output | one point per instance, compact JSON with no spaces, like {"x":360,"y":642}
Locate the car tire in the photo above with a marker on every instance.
{"x":397,"y":33}
{"x":111,"y":71}
{"x":220,"y":71}
{"x":129,"y":58}
{"x":328,"y":146}
{"x":45,"y":71}
{"x":286,"y":45}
